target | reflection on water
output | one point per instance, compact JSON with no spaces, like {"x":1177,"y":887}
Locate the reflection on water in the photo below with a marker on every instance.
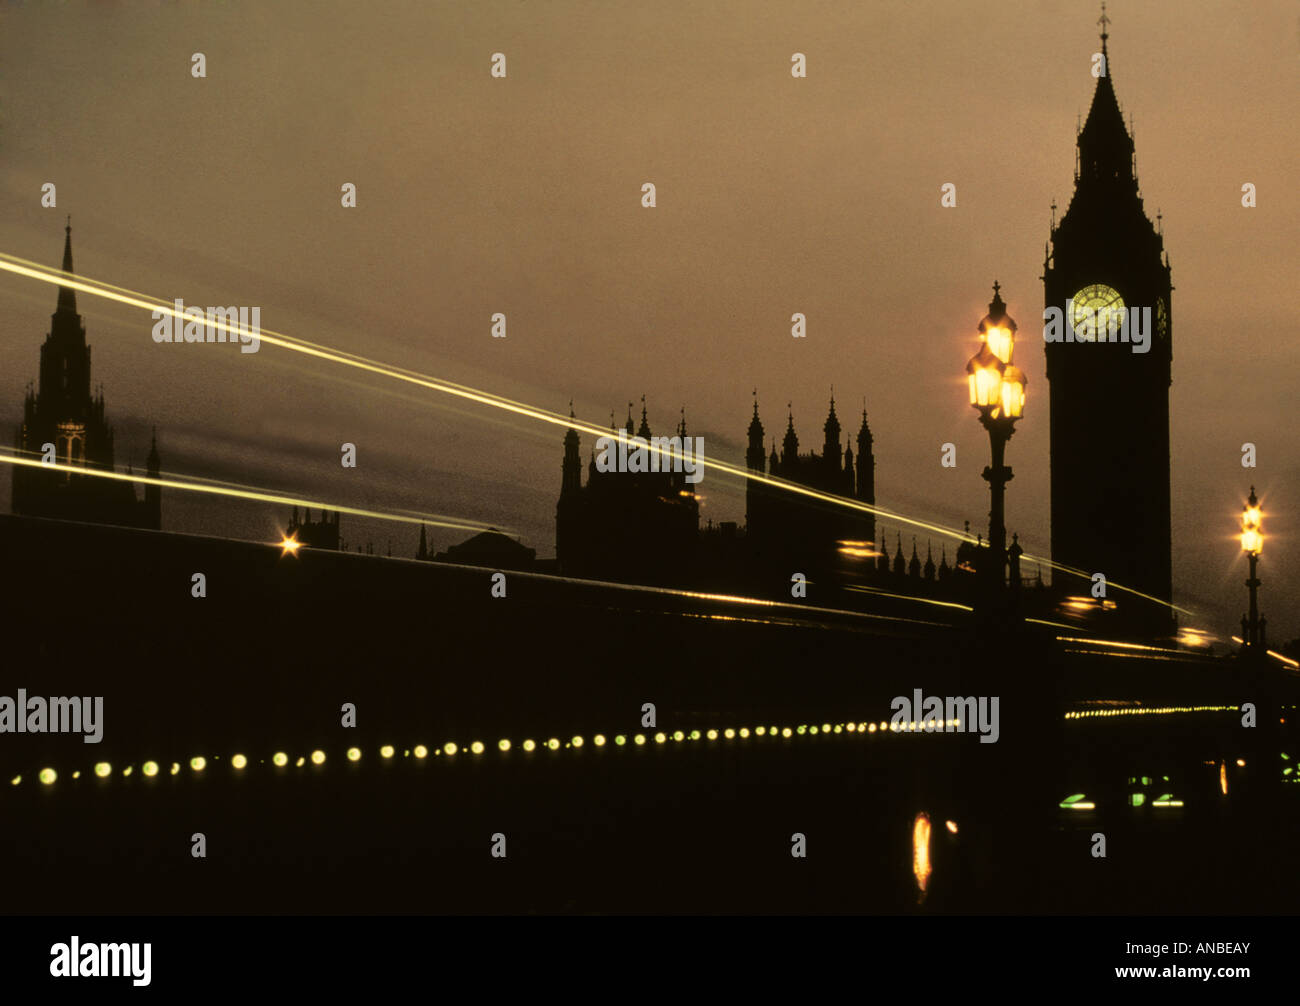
{"x":921,"y":853}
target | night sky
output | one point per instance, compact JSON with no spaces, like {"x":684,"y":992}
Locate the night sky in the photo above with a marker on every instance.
{"x":523,"y":195}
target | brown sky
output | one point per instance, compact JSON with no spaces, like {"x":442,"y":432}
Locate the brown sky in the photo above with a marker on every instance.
{"x":522,"y":195}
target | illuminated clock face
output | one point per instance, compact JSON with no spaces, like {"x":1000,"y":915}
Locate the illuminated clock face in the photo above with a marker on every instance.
{"x":1102,"y":301}
{"x":1162,"y":318}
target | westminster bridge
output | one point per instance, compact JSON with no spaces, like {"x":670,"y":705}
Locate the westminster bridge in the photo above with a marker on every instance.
{"x":353,"y":733}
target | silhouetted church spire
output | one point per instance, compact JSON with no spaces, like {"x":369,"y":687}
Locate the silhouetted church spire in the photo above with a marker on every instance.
{"x":571,"y":469}
{"x":831,"y":446}
{"x":65,"y":412}
{"x":754,"y":453}
{"x":67,"y":296}
{"x":790,"y":449}
{"x":1105,"y":146}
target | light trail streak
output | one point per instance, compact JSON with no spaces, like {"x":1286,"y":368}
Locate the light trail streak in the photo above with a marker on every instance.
{"x":800,"y":611}
{"x":131,"y":298}
{"x":1121,"y":645}
{"x":904,"y":597}
{"x":11,"y":458}
{"x":1272,"y":653}
{"x":404,"y":516}
{"x":1072,"y":571}
{"x":1054,"y":625}
{"x":1185,"y":659}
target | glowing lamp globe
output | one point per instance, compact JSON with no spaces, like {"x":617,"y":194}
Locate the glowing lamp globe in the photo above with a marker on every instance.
{"x":984,"y":378}
{"x":1013,"y":393}
{"x":998,"y":329}
{"x":1252,"y":535}
{"x":1000,"y":342}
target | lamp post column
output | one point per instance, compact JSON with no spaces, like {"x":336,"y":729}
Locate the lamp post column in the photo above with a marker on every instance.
{"x":1252,"y":543}
{"x":997,"y":475}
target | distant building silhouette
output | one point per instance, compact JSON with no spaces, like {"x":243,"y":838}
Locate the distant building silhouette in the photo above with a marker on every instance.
{"x":491,"y":549}
{"x":781,"y":524}
{"x":644,"y":527}
{"x":63,"y":412}
{"x":641,"y":527}
{"x":323,"y":533}
{"x":1109,"y":405}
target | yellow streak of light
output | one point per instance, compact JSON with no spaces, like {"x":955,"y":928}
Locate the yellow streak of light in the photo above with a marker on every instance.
{"x":429,"y":518}
{"x":34,"y":270}
{"x":1119,"y":644}
{"x":1054,"y":625}
{"x":907,"y":597}
{"x":7,"y":456}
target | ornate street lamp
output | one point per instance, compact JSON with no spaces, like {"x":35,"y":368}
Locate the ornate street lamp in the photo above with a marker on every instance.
{"x":1252,"y":543}
{"x":997,"y":392}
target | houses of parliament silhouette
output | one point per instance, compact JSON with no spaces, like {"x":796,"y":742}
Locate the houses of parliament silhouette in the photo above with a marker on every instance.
{"x":645,"y":527}
{"x":61,"y":411}
{"x":625,"y":525}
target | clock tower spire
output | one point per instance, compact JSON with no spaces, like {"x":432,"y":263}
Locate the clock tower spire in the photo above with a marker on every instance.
{"x":1109,"y":373}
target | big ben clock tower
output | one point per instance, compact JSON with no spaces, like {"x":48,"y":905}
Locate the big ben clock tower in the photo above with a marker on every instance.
{"x":1109,"y":396}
